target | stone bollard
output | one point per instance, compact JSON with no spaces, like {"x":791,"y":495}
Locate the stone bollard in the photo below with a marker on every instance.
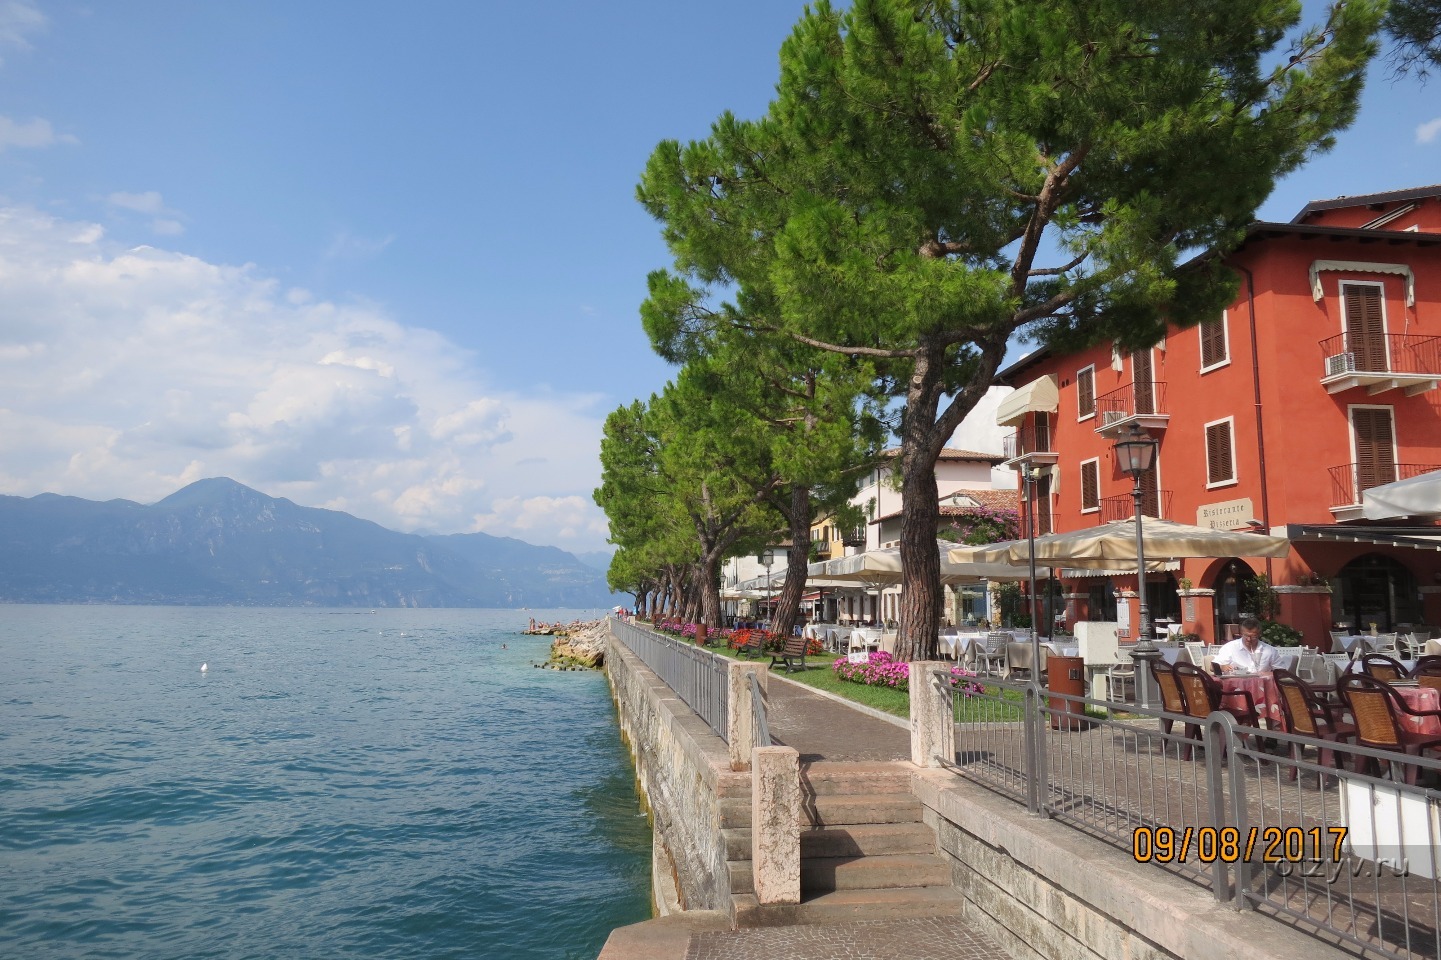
{"x":740,"y":716}
{"x":776,"y":824}
{"x":933,"y":718}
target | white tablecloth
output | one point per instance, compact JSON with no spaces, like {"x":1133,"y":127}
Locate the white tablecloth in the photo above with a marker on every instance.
{"x":958,"y":645}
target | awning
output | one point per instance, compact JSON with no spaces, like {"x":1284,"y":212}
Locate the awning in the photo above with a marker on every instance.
{"x":1413,"y":497}
{"x":1038,"y":396}
{"x":1152,"y":566}
{"x":1413,"y":538}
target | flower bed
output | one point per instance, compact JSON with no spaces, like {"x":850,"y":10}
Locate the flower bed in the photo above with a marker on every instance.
{"x":884,"y":670}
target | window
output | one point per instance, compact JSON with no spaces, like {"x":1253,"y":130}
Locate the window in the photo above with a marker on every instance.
{"x":1375,"y":437}
{"x":1365,"y":325}
{"x":1086,"y":392}
{"x":1215,"y":351}
{"x":1220,"y":453}
{"x":1090,"y":486}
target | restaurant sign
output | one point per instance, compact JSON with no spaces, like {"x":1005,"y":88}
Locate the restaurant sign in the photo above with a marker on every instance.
{"x":1226,"y":515}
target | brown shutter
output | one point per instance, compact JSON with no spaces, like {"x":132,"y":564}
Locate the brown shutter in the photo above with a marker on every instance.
{"x":1142,"y":377}
{"x":1150,"y":494}
{"x":1090,"y":485}
{"x":1375,"y":448}
{"x":1086,"y":392}
{"x":1220,"y":465}
{"x":1041,"y":441}
{"x":1213,"y":341}
{"x":1365,"y":331}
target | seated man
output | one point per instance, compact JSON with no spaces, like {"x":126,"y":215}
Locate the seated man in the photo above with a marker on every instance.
{"x":1248,"y":653}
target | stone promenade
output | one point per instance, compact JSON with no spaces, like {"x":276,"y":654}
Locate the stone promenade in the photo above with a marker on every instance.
{"x":829,"y":730}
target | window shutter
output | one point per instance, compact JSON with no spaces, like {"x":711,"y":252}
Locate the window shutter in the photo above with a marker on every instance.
{"x":1375,"y":448}
{"x":1142,"y":379}
{"x":1365,"y":331}
{"x":1220,"y":464}
{"x":1043,"y":505}
{"x":1213,"y":341}
{"x":1090,"y":485}
{"x":1086,"y":392}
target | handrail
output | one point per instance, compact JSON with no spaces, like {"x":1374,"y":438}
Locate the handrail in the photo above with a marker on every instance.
{"x":697,"y":676}
{"x":1347,"y":484}
{"x":1406,"y":353}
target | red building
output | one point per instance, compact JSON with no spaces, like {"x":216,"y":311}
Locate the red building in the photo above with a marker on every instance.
{"x":1319,"y":382}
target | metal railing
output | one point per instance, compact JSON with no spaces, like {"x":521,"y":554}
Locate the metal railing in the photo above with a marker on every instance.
{"x":697,"y":676}
{"x":1342,"y":855}
{"x":1123,"y":507}
{"x":1126,"y":401}
{"x":1404,"y":353}
{"x":1027,"y":440}
{"x":1347,"y":483}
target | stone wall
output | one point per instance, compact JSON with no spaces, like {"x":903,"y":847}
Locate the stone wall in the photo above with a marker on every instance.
{"x":1041,"y":889}
{"x":684,"y":771}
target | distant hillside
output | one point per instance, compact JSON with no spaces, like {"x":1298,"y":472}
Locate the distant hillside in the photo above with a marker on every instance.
{"x":218,"y":541}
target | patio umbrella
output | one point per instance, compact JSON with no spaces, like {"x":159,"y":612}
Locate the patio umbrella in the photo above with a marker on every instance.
{"x":1418,"y":496}
{"x":1109,"y":544}
{"x":883,"y":567}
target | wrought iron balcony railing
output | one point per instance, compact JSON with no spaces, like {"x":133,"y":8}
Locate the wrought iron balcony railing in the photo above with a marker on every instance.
{"x":1350,"y":480}
{"x":1407,"y":354}
{"x":1027,"y":441}
{"x":1153,"y":504}
{"x":1146,"y":404}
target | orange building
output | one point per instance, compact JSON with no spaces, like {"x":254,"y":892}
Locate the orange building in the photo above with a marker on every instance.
{"x":1319,"y":382}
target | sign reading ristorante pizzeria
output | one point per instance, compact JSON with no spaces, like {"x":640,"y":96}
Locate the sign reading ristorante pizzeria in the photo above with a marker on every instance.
{"x":1226,"y":515}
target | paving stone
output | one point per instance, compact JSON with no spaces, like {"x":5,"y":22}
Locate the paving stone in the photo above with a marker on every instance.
{"x":928,"y":938}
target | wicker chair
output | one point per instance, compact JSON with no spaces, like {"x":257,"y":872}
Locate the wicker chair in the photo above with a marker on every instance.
{"x":1384,"y":668}
{"x":1377,"y":710}
{"x":1203,"y":696}
{"x":1172,"y":701}
{"x":1308,"y":713}
{"x":1428,"y":672}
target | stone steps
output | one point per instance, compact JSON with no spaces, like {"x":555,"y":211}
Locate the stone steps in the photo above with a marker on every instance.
{"x":847,"y":809}
{"x":885,"y":871}
{"x":852,"y":840}
{"x":822,"y":778}
{"x":840,"y":905}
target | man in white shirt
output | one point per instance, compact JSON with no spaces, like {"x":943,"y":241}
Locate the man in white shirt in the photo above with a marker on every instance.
{"x":1248,"y":654}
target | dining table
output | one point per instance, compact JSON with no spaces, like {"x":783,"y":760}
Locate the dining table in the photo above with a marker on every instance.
{"x":1420,"y":698}
{"x":958,"y":645}
{"x":1264,"y":694}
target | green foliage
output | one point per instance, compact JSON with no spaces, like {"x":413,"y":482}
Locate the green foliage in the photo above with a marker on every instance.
{"x":981,"y":525}
{"x":932,"y":179}
{"x":1261,"y":597}
{"x":1279,"y":634}
{"x":1415,"y":27}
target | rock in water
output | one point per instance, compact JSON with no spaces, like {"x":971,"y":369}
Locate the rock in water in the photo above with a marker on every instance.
{"x":583,"y":644}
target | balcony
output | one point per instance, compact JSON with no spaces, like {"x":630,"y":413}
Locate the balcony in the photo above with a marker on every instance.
{"x":821,"y":549}
{"x":1146,"y":407}
{"x":1349,"y":481}
{"x":1157,"y":504}
{"x":1395,"y":361}
{"x":1028,"y":445}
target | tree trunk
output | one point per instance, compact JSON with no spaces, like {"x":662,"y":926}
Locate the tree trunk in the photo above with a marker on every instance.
{"x":921,"y":595}
{"x":710,"y":603}
{"x":789,"y":602}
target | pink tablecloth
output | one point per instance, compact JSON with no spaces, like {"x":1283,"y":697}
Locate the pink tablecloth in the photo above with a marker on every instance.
{"x":1421,"y":698}
{"x":1263,"y":693}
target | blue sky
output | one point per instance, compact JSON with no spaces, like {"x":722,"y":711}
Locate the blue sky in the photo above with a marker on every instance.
{"x":380,"y":257}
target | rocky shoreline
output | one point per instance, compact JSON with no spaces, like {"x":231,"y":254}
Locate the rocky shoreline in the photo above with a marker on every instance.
{"x":578,"y":645}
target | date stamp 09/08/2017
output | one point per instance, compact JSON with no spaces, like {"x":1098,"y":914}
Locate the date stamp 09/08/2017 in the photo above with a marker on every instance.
{"x":1288,"y":850}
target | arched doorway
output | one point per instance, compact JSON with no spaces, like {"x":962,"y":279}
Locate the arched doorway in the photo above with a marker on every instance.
{"x":1230,"y":587}
{"x":1375,"y":588}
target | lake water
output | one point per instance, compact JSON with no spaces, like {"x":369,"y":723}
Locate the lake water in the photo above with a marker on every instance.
{"x":339,"y":783}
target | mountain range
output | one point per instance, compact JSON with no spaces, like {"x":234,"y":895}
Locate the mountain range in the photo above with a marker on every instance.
{"x":217,"y":541}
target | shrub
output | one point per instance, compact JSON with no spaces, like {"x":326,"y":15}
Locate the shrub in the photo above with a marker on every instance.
{"x":881,"y":670}
{"x":1278,"y":634}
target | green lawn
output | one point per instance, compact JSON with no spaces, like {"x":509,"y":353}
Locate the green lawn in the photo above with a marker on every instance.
{"x":892,"y":700}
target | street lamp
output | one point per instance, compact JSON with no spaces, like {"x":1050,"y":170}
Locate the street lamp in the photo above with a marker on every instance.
{"x":766,"y":557}
{"x":1136,"y":455}
{"x":1033,"y":477}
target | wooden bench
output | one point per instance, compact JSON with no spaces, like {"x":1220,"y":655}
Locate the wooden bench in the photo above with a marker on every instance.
{"x":793,"y":653}
{"x":755,"y":645}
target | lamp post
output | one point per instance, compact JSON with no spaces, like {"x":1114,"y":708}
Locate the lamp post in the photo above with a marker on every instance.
{"x":1033,"y":476}
{"x":766,"y":557}
{"x":1136,"y":455}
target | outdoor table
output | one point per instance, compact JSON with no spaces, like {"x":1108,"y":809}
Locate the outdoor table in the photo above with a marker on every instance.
{"x":959,"y":645}
{"x":1170,"y":654}
{"x":870,"y":636}
{"x":1264,"y":693}
{"x":1019,"y":657}
{"x":1064,"y":649}
{"x":1420,"y":698}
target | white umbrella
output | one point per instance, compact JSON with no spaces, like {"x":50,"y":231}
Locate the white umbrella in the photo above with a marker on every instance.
{"x":882,"y":567}
{"x":1109,"y":544}
{"x":1418,"y":496}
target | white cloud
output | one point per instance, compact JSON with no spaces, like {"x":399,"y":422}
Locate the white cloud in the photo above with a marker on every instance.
{"x":36,"y":133}
{"x":164,"y":220}
{"x":18,"y":20}
{"x":348,"y":246}
{"x":130,"y":372}
{"x":1428,"y":131}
